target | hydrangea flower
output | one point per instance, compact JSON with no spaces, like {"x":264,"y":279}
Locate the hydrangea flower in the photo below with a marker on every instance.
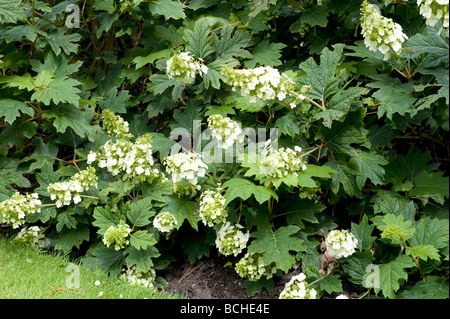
{"x":341,"y":243}
{"x":281,"y":162}
{"x":297,"y":288}
{"x":66,"y":192}
{"x":380,"y":33}
{"x":139,"y":278}
{"x":115,"y":125}
{"x":252,"y":267}
{"x":434,"y":10}
{"x":31,"y":236}
{"x":184,"y":67}
{"x":225,"y":130}
{"x":185,"y":165}
{"x":212,"y":208}
{"x":117,"y":236}
{"x":165,"y":222}
{"x":15,"y":209}
{"x":265,"y":83}
{"x":231,"y":240}
{"x":126,"y":157}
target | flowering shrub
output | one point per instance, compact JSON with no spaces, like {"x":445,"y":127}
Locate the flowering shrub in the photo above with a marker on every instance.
{"x":288,"y":136}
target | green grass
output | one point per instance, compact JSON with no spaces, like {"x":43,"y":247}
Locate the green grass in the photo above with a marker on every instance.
{"x":28,"y":273}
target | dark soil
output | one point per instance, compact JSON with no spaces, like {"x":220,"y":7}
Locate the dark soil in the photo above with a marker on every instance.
{"x":215,"y":279}
{"x":209,"y":279}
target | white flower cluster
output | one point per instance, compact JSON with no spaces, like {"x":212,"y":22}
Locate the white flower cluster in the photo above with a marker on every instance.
{"x":123,"y":156}
{"x":65,"y":192}
{"x":31,"y":236}
{"x":341,"y":243}
{"x":165,"y":222}
{"x":187,"y":166}
{"x":212,"y":208}
{"x":380,"y":33}
{"x":297,"y":288}
{"x":139,"y":278}
{"x":115,"y":125}
{"x":117,"y":236}
{"x":252,"y":267}
{"x":184,"y":67}
{"x":15,"y":209}
{"x":434,"y":10}
{"x":281,"y":162}
{"x":231,"y":240}
{"x":225,"y":130}
{"x":265,"y":83}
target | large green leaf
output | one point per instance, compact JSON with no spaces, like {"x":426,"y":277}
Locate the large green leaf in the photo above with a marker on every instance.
{"x":105,"y":258}
{"x":394,"y":96}
{"x":363,"y":233}
{"x":228,"y":46}
{"x":243,"y":188}
{"x":423,"y":252}
{"x":266,"y":54}
{"x":315,"y":15}
{"x":390,"y":275}
{"x":431,"y":231}
{"x":331,"y":283}
{"x":198,"y":40}
{"x":11,"y":11}
{"x":369,"y":165}
{"x":356,"y":265}
{"x":182,"y":209}
{"x":432,"y":287}
{"x":303,"y":210}
{"x":276,"y":246}
{"x":46,"y":177}
{"x":430,"y":186}
{"x":11,"y":109}
{"x":58,"y":91}
{"x":69,"y":116}
{"x":345,"y":176}
{"x":432,"y":43}
{"x":142,"y":258}
{"x":141,"y":239}
{"x":104,"y":219}
{"x":116,"y":103}
{"x":140,"y":212}
{"x":70,"y":238}
{"x":60,"y":42}
{"x":170,"y":9}
{"x":322,"y":76}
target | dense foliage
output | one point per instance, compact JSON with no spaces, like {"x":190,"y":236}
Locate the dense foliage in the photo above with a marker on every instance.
{"x":139,"y":131}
